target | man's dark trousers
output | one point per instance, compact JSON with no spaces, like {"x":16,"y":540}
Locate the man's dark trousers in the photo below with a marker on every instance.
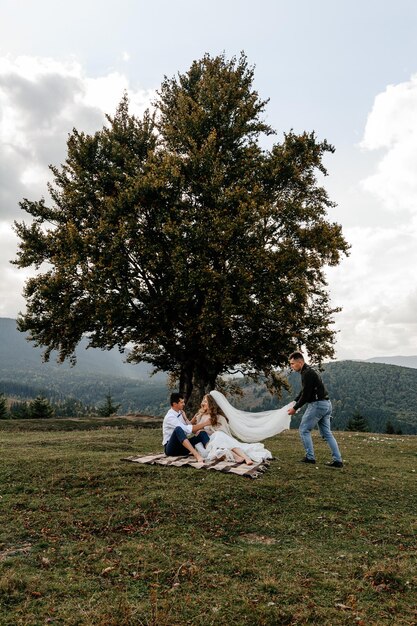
{"x":174,"y":446}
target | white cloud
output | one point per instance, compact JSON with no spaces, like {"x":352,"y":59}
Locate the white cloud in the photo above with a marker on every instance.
{"x":377,"y":291}
{"x":11,"y":280}
{"x":41,"y":101}
{"x":392,"y":127}
{"x":377,"y":284}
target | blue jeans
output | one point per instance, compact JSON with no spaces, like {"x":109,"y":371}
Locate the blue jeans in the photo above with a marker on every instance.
{"x":318,"y":414}
{"x":174,"y":446}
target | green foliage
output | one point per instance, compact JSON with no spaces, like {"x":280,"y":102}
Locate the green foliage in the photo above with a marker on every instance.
{"x":4,"y":414}
{"x":40,"y":408}
{"x":74,"y":393}
{"x":380,"y":392}
{"x":389,"y":429}
{"x":357,"y":423}
{"x":181,"y":236}
{"x":70,"y":407}
{"x":108,"y":408}
{"x":19,"y":410}
{"x":90,"y":540}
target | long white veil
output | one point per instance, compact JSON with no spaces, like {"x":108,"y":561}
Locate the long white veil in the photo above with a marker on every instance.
{"x":251,"y":427}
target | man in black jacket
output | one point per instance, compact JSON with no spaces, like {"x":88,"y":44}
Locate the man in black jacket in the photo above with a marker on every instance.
{"x":318,"y":411}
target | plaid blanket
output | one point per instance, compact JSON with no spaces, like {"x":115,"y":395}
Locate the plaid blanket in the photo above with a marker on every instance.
{"x":229,"y":467}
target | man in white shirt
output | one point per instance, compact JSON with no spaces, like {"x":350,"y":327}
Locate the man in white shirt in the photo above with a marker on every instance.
{"x":176,"y":428}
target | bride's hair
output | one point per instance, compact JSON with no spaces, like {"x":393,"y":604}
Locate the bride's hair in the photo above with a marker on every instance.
{"x":214,"y":410}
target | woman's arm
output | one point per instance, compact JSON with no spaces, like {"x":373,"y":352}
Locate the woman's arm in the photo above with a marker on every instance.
{"x":202,"y":424}
{"x":197,"y":417}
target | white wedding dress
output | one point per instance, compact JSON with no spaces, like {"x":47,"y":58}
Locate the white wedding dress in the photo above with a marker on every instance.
{"x":249,"y":427}
{"x":253,"y":426}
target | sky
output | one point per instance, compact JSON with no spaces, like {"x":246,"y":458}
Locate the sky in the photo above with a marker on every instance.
{"x":346,"y":70}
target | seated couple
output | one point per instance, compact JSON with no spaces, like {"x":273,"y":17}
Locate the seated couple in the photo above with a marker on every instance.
{"x":208,"y":435}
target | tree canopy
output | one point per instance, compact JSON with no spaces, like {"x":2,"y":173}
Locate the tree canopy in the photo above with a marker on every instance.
{"x":357,"y":423}
{"x":108,"y":408}
{"x":40,"y":408}
{"x":180,"y":236}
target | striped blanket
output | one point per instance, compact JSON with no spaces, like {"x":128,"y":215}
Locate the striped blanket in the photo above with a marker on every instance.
{"x":240,"y":469}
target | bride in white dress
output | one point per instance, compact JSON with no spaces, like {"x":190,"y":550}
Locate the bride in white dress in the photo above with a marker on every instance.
{"x":226,"y":421}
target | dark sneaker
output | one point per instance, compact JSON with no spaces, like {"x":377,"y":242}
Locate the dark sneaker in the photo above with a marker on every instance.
{"x":306,"y":460}
{"x":334,"y":464}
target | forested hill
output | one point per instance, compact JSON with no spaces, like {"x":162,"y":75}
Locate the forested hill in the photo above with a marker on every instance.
{"x":23,"y":376}
{"x":379,"y":392}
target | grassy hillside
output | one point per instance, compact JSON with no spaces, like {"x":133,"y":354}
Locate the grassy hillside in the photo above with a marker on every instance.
{"x":88,"y":539}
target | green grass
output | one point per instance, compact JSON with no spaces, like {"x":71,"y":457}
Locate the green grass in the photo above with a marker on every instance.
{"x":79,"y":423}
{"x":88,"y":539}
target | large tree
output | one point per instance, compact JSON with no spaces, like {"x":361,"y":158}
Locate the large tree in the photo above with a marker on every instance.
{"x":180,"y":236}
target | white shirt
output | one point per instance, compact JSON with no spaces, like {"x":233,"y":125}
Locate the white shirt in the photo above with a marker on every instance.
{"x":171,"y":420}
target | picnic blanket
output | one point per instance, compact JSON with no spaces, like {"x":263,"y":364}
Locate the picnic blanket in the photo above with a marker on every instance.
{"x":229,"y":467}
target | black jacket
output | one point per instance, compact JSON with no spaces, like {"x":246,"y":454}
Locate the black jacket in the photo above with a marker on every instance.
{"x":312,"y":387}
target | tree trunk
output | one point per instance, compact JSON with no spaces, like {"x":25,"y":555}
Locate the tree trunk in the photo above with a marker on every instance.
{"x":186,"y":382}
{"x":194,"y":384}
{"x":202,"y":384}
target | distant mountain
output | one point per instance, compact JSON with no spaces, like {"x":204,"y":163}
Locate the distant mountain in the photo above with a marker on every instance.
{"x":379,"y":392}
{"x":402,"y":361}
{"x":18,"y":352}
{"x":97,"y":372}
